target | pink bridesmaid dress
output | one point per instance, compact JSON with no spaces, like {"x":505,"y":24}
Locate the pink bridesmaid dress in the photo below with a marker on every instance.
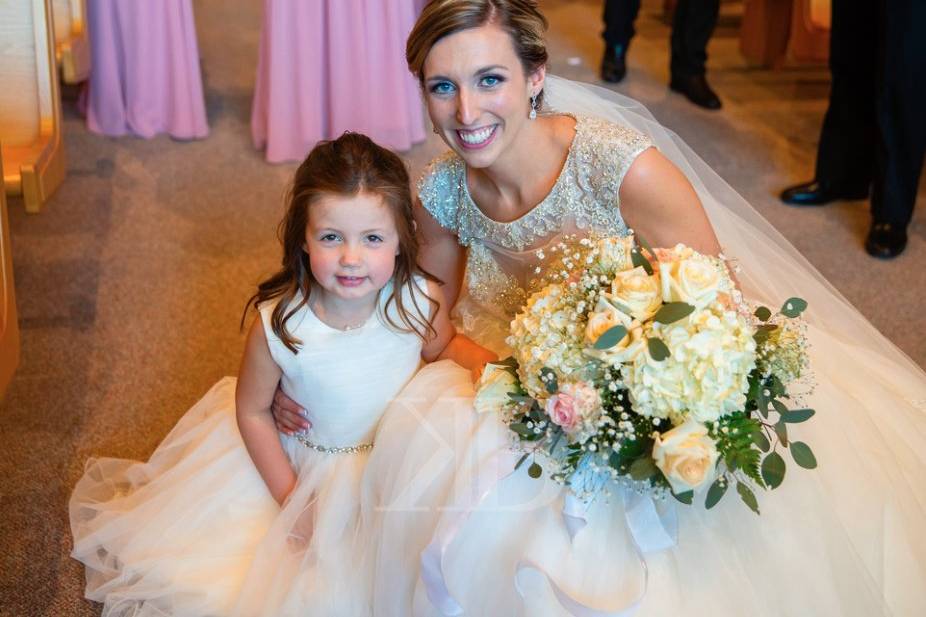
{"x":329,"y":66}
{"x":145,"y":76}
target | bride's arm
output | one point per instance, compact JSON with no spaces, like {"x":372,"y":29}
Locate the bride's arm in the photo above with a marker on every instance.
{"x":659,"y":203}
{"x":446,"y":343}
{"x":440,"y":253}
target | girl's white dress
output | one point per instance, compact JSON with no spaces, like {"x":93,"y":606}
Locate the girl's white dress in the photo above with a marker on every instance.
{"x":460,"y":532}
{"x":194,"y":532}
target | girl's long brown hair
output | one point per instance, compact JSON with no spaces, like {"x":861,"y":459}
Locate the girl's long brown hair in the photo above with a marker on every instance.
{"x":346,"y":166}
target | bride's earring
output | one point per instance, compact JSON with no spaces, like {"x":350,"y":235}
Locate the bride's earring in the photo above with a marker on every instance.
{"x":533,"y":114}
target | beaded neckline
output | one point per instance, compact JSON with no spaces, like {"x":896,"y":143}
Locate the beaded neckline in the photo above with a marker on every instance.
{"x":550,"y":196}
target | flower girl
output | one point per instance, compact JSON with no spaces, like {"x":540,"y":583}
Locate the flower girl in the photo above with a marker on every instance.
{"x":230,"y":517}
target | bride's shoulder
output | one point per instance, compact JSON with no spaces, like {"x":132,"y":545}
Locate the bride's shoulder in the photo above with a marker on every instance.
{"x":440,"y":186}
{"x":603,"y":136}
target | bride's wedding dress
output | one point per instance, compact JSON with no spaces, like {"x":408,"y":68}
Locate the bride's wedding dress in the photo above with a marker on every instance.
{"x":459,"y":531}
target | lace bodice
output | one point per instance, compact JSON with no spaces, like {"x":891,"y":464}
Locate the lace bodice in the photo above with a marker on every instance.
{"x":503,"y":257}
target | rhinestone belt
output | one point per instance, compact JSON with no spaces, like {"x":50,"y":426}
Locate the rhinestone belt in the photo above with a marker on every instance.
{"x":334,"y":450}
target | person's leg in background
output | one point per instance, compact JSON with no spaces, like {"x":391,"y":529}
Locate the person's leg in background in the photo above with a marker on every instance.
{"x":847,"y":148}
{"x":692,"y":27}
{"x":901,"y":122}
{"x":619,"y":17}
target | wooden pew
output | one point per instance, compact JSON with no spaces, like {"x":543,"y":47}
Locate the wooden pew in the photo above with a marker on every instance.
{"x":72,"y":48}
{"x":774,"y":30}
{"x":810,"y":31}
{"x":30,"y":107}
{"x":9,"y":325}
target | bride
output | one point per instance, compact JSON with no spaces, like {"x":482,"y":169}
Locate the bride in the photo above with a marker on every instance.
{"x":534,"y":159}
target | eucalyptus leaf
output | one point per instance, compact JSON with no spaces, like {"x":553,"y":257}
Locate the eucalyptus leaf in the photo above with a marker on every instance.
{"x":549,"y":378}
{"x":611,"y":337}
{"x":657,"y":349}
{"x":643,"y":469}
{"x":686,"y":498}
{"x":748,"y":497}
{"x":643,"y":243}
{"x":781,"y":429}
{"x":671,"y":312}
{"x":793,"y":307}
{"x":509,"y":362}
{"x":521,"y":460}
{"x":803,"y":455}
{"x":773,"y":470}
{"x":761,"y":440}
{"x":521,"y":429}
{"x":639,"y":261}
{"x":716,"y":492}
{"x":780,"y":407}
{"x":535,"y":470}
{"x":797,"y":415}
{"x":763,"y":313}
{"x":762,"y":401}
{"x":520,"y":398}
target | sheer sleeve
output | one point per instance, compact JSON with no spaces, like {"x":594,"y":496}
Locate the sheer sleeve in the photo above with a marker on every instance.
{"x":440,"y":190}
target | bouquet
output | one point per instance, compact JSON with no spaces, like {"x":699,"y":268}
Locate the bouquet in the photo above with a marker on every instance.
{"x":646,"y":367}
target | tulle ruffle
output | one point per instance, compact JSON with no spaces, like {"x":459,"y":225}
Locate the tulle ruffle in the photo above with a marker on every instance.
{"x":194,"y":532}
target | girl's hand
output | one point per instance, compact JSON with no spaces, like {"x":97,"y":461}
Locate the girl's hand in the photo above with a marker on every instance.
{"x":287,"y":414}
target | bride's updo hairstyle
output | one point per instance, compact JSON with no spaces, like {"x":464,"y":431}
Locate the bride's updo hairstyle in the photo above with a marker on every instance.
{"x":347,"y":166}
{"x":521,"y":19}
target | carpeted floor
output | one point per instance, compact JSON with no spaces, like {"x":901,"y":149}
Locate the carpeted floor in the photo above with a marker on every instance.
{"x":131,"y":282}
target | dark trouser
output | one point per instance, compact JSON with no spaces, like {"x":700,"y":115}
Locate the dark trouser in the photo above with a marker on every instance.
{"x":874,"y":131}
{"x":692,"y":27}
{"x":901,"y":113}
{"x":619,"y":16}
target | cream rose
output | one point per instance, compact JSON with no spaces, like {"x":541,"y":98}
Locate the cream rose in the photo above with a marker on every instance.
{"x":638,"y":291}
{"x":686,"y":456}
{"x":495,"y":385}
{"x":688,"y":277}
{"x":603,"y":318}
{"x":614,"y":253}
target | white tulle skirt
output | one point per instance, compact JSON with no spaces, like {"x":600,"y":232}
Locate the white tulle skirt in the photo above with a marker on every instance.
{"x":460,"y":532}
{"x":194,"y":532}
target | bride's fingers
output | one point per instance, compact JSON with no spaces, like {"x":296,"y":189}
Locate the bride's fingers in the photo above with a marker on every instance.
{"x":288,"y":421}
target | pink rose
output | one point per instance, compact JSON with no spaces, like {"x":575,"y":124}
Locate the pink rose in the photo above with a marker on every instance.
{"x":562,"y":411}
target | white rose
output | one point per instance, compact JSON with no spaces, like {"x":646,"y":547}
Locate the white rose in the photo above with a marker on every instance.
{"x":495,"y":385}
{"x":638,"y":291}
{"x":615,"y":252}
{"x":689,"y":277}
{"x":686,"y":456}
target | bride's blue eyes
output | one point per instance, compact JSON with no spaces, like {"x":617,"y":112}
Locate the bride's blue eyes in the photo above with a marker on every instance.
{"x":446,"y":87}
{"x":329,"y":238}
{"x":490,"y":81}
{"x":374,"y":238}
{"x":442,"y":87}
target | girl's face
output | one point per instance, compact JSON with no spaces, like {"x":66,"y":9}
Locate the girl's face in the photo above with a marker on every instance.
{"x":352,"y":243}
{"x":477,"y":94}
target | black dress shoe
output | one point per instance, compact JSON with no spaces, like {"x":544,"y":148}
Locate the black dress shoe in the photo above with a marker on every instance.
{"x":613,"y":65}
{"x":816,"y":193}
{"x":886,"y":240}
{"x":696,"y":90}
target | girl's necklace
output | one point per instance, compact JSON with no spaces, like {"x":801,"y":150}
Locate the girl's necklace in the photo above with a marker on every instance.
{"x":320,"y":314}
